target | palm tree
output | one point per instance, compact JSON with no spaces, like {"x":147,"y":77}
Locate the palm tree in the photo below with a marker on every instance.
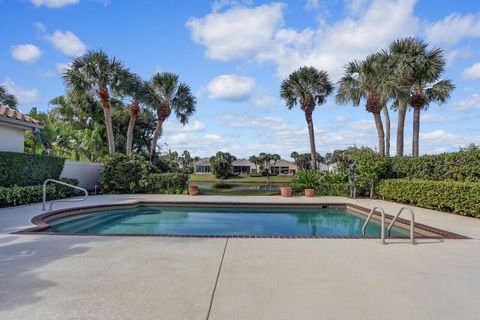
{"x":167,"y":94}
{"x":135,"y":88}
{"x":7,"y":98}
{"x":95,"y":72}
{"x":407,"y":55}
{"x":421,"y":68}
{"x":369,"y":80}
{"x":308,"y":87}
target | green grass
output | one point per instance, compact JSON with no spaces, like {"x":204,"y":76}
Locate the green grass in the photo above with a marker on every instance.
{"x":240,"y":179}
{"x":231,"y":192}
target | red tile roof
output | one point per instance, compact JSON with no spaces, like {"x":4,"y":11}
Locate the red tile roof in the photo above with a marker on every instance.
{"x":10,"y":113}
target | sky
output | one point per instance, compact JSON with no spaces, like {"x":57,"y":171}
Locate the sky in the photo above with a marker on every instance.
{"x":234,"y":55}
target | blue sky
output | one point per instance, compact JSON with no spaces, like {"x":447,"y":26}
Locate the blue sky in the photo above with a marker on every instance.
{"x":234,"y":55}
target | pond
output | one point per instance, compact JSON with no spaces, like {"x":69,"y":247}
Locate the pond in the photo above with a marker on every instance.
{"x":237,"y":186}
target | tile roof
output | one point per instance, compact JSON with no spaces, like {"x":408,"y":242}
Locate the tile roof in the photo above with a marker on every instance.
{"x":15,"y":115}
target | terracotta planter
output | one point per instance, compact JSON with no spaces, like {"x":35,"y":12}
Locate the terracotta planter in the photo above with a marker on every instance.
{"x":309,"y":192}
{"x":286,"y":191}
{"x":192,"y":190}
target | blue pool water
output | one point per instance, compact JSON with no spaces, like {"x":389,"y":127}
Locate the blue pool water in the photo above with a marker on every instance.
{"x":220,"y":221}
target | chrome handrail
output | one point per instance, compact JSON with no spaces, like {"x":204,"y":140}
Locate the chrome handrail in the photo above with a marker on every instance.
{"x":61,"y":200}
{"x":412,"y":223}
{"x":382,"y":227}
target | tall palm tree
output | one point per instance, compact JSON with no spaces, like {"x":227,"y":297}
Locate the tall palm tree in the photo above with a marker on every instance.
{"x":167,"y":94}
{"x":135,"y":88}
{"x":95,"y":72}
{"x":407,"y":55}
{"x":371,"y":81}
{"x":308,"y":87}
{"x":421,"y":68}
{"x":7,"y":98}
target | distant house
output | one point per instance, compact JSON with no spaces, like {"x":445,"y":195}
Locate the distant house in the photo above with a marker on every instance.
{"x":244,"y":166}
{"x":13,"y":124}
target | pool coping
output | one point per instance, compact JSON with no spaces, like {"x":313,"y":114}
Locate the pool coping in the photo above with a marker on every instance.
{"x":41,"y":221}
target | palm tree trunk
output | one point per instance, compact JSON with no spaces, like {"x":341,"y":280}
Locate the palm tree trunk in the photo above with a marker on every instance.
{"x":131,"y":125}
{"x":387,"y":130}
{"x":416,"y":131}
{"x":311,"y":133}
{"x":380,"y":133}
{"x":402,"y":111}
{"x":107,"y":114}
{"x":156,"y":134}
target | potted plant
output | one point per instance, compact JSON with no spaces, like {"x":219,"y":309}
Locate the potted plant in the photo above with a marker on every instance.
{"x":286,"y":191}
{"x":307,"y":180}
{"x":192,"y":190}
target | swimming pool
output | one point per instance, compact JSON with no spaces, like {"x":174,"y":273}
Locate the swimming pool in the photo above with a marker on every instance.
{"x":219,"y":221}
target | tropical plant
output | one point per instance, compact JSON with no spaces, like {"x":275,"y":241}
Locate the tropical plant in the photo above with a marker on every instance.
{"x":372,"y":81}
{"x":256,"y":161}
{"x":133,"y":87}
{"x":7,"y":98}
{"x":187,"y":161}
{"x":221,"y":164}
{"x":421,"y":69}
{"x":307,"y":87}
{"x":308,"y":179}
{"x":96,"y":73}
{"x":166,"y":94}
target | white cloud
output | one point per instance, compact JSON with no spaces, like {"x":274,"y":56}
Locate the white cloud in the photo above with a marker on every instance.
{"x":457,"y":53}
{"x":231,"y":87}
{"x":24,"y":96}
{"x":39,"y":27}
{"x":199,"y":145}
{"x":473,"y":72}
{"x":453,"y":29}
{"x":437,"y":118}
{"x":263,"y":101}
{"x":26,"y":53}
{"x":312,"y":4}
{"x":54,"y":3}
{"x":67,"y":42}
{"x":189,"y":127}
{"x":468,"y":103}
{"x":256,"y":33}
{"x":239,"y":32}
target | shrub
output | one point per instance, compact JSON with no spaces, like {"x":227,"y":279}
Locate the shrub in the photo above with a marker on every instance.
{"x":16,"y":195}
{"x":124,"y":173}
{"x":458,"y":166}
{"x":308,"y":179}
{"x":21,"y":169}
{"x":452,"y":196}
{"x":169,"y":183}
{"x":222,"y":185}
{"x":333,"y":189}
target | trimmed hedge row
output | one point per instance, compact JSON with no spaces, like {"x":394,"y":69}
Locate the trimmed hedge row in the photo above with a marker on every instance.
{"x":14,"y":196}
{"x":451,"y":196}
{"x":457,"y":166}
{"x":21,"y":169}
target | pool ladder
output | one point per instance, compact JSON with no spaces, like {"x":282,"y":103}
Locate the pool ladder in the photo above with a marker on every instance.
{"x":61,"y":200}
{"x":389,"y":229}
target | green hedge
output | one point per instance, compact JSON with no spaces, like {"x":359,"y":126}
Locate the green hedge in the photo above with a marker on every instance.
{"x":457,"y":166}
{"x":333,"y":189}
{"x":21,"y":169}
{"x":14,"y":196}
{"x":451,"y":196}
{"x":168,"y":183}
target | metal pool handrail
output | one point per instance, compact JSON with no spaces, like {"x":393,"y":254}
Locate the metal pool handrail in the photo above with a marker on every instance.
{"x":61,"y":200}
{"x":412,"y":223}
{"x":382,"y":227}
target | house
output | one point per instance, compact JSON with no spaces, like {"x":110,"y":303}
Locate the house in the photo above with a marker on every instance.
{"x":13,"y":125}
{"x":244,"y":166}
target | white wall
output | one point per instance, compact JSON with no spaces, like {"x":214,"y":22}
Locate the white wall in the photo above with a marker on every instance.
{"x":11,"y":139}
{"x":87,"y":173}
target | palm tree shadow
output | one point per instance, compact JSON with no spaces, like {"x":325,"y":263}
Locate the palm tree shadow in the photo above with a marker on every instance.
{"x":21,"y":262}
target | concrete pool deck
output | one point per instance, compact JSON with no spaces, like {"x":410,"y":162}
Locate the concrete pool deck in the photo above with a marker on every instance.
{"x":89,"y":277}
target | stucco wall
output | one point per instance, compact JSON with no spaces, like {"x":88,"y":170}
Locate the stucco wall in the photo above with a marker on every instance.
{"x":87,"y":174}
{"x":11,"y":139}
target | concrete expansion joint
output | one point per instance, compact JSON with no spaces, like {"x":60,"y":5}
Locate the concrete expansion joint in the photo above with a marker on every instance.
{"x":216,"y":280}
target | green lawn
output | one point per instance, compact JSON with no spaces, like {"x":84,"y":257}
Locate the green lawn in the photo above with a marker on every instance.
{"x":240,"y":179}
